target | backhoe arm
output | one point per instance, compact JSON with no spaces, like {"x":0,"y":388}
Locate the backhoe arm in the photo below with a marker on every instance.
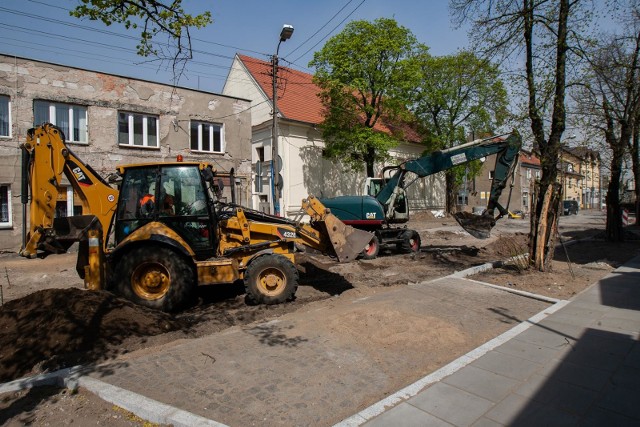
{"x":49,"y":160}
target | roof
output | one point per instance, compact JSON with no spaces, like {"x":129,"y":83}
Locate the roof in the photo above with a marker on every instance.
{"x":529,"y":159}
{"x":583,"y":153}
{"x":299,"y":97}
{"x":120,"y":76}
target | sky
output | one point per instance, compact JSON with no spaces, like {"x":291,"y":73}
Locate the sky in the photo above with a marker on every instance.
{"x":43,"y":30}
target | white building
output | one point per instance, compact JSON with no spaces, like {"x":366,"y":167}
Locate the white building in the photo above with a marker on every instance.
{"x":300,"y":144}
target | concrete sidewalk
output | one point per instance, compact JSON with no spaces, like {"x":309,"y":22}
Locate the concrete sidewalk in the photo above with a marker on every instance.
{"x":580,"y":365}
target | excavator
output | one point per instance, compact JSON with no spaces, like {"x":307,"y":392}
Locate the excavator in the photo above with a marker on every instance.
{"x":386,"y":205}
{"x":166,"y":229}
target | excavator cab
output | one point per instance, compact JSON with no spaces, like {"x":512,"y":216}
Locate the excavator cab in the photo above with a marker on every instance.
{"x":173,"y":194}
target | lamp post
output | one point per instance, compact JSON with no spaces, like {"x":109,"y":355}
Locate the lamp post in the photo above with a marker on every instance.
{"x":285,"y":34}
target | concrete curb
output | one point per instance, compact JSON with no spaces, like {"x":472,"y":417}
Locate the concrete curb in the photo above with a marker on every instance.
{"x":147,"y":409}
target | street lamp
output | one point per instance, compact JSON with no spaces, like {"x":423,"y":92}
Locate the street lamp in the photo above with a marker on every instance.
{"x":285,"y":34}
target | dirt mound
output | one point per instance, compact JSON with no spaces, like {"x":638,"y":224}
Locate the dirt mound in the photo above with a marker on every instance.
{"x":56,"y":328}
{"x":507,"y":246}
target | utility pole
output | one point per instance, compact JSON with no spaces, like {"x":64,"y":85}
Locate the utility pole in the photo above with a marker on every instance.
{"x":285,"y":34}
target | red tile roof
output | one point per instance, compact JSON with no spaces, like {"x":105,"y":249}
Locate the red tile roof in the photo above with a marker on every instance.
{"x":299,"y":96}
{"x":529,"y":159}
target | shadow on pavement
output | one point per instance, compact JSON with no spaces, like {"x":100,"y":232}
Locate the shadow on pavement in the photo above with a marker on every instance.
{"x":597,"y":383}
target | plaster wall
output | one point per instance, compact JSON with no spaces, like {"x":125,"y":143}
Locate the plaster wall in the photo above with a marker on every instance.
{"x":104,"y":95}
{"x":240,"y":83}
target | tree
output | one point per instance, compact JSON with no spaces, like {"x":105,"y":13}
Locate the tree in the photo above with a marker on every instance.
{"x":458,"y":95}
{"x":365,"y":74}
{"x":609,"y":103}
{"x":154,"y":17}
{"x":539,"y":31}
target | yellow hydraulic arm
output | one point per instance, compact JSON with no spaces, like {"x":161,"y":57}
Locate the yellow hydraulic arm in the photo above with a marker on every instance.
{"x":49,"y":160}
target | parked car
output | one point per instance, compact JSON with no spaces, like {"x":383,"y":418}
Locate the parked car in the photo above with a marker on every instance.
{"x":570,"y":207}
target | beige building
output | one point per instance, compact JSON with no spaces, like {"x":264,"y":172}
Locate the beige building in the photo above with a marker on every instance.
{"x":110,"y":120}
{"x":517,"y":194}
{"x":578,"y":173}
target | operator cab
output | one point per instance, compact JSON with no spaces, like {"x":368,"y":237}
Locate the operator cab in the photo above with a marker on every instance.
{"x":174,"y":194}
{"x":400,"y":211}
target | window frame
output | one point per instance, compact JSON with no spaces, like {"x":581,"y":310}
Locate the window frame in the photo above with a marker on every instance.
{"x":211,"y":125}
{"x":145,"y":130}
{"x":9,"y":222}
{"x":10,"y":127}
{"x":52,"y":118}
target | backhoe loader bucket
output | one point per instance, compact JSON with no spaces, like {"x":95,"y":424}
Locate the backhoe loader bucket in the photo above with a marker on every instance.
{"x":347,"y":241}
{"x":479,"y":226}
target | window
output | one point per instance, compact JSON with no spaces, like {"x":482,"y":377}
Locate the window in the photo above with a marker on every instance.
{"x":5,"y":206}
{"x":71,"y":119}
{"x":5,"y":116}
{"x":137,"y":130}
{"x":207,"y":137}
{"x":538,"y":174}
{"x":528,"y":173}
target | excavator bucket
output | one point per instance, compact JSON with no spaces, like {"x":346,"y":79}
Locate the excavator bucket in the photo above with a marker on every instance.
{"x":479,"y":226}
{"x":347,"y":241}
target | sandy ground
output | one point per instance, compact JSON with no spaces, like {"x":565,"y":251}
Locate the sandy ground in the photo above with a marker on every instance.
{"x":89,"y":327}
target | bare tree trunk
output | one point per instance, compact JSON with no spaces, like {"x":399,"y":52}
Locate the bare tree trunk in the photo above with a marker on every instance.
{"x":450,"y":188}
{"x":614,"y":230}
{"x":544,"y":225}
{"x":635,"y":163}
{"x":548,"y":200}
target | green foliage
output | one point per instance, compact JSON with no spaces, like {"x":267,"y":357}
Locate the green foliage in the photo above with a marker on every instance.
{"x":459,"y":95}
{"x":366,"y":74}
{"x":152,"y":16}
{"x":470,"y":169}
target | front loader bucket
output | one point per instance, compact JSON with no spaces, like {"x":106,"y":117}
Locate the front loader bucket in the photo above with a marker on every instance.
{"x":479,"y":226}
{"x":347,"y":241}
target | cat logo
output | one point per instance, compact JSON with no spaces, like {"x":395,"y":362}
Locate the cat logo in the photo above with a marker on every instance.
{"x":82,"y":179}
{"x":370,"y":215}
{"x":79,"y":174}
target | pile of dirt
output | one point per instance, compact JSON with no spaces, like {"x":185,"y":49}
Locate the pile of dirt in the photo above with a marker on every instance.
{"x":505,"y":247}
{"x":56,"y":328}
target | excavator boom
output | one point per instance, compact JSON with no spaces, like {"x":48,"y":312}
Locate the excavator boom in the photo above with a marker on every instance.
{"x":506,"y":150}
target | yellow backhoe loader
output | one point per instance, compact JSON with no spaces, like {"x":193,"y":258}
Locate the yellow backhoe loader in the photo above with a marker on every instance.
{"x":165,"y":230}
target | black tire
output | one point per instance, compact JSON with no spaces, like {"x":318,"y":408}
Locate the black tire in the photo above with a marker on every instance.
{"x":410,"y":243}
{"x":270,"y":279}
{"x":157,"y":278}
{"x":372,"y":250}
